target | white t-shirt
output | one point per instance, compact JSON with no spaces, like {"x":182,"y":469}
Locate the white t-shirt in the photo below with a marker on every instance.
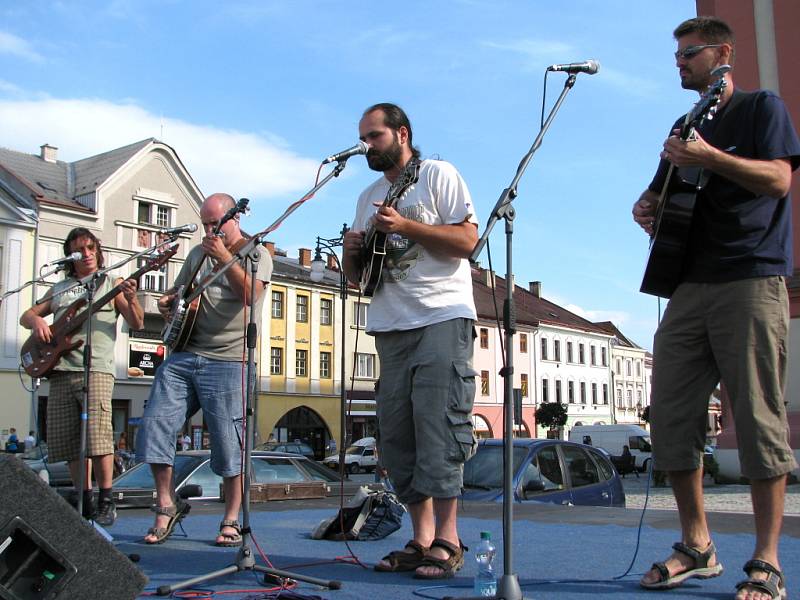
{"x":419,"y":287}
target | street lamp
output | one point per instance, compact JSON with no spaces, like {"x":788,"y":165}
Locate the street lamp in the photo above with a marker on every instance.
{"x":317,"y":275}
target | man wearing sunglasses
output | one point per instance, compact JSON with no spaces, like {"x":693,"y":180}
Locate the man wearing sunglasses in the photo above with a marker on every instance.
{"x":728,"y":318}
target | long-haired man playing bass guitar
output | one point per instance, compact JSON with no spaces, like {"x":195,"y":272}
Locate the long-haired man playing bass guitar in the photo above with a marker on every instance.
{"x":422,"y":316}
{"x":207,"y":373}
{"x":728,"y":317}
{"x":66,"y":380}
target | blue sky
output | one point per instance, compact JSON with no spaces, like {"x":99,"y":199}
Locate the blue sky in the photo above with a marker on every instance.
{"x":254,"y":94}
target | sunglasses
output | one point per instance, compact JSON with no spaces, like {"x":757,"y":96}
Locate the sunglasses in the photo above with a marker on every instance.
{"x":692,"y":51}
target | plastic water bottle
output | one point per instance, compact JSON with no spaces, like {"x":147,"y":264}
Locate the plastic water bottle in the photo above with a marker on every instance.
{"x":485,"y":583}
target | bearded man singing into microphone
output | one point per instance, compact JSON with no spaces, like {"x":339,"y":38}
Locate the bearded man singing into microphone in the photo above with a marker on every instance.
{"x":207,"y":373}
{"x":422,"y":317}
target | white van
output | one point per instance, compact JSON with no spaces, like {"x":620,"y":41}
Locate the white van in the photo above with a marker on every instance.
{"x":613,"y":437}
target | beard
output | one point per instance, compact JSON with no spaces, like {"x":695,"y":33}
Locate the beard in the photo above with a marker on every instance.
{"x":386,"y":160}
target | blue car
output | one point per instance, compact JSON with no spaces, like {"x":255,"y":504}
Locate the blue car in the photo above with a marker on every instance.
{"x":554,"y":471}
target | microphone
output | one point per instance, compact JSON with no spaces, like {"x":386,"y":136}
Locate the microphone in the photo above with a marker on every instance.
{"x":62,"y":261}
{"x":188,"y":228}
{"x":359,"y":148}
{"x":590,"y":67}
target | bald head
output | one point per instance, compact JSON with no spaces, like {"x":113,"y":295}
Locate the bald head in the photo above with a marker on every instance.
{"x":213,"y":209}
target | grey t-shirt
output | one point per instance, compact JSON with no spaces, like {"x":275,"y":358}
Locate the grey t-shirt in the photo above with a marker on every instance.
{"x":219,"y":328}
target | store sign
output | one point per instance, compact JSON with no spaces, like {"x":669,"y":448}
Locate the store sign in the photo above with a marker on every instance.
{"x":144,"y":359}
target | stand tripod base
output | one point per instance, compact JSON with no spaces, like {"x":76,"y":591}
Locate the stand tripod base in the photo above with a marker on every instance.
{"x":246,"y":562}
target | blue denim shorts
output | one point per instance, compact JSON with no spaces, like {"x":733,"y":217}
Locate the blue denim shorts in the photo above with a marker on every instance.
{"x":185,"y":383}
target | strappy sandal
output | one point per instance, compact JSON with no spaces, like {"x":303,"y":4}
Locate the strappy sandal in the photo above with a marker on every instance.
{"x":400,"y":560}
{"x":699,"y":570}
{"x":176,"y":513}
{"x":448,"y":566}
{"x":773,"y":585}
{"x":231,"y":539}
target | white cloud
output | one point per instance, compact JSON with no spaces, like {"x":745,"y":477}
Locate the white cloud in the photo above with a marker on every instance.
{"x":238,"y":162}
{"x":535,"y":50}
{"x":16,"y":46}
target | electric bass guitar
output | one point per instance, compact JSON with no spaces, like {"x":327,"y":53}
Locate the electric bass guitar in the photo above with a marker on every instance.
{"x":373,"y":253}
{"x":39,"y":358}
{"x":676,"y":202}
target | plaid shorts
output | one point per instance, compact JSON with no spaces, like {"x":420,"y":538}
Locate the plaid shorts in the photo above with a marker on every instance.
{"x":64,"y":415}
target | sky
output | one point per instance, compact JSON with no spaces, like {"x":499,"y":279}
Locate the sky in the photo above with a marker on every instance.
{"x":252,"y":95}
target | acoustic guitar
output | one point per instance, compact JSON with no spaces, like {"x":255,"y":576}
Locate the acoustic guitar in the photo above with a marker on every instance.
{"x":676,"y":202}
{"x":374,"y":251}
{"x":39,"y":358}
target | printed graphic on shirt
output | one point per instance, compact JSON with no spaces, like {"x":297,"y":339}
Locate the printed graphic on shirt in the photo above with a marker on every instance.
{"x":402,"y":254}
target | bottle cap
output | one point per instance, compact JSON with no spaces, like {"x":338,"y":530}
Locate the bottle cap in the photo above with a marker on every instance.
{"x":485,"y":535}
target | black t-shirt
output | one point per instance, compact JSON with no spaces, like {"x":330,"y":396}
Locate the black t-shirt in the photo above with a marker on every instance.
{"x":737,"y":234}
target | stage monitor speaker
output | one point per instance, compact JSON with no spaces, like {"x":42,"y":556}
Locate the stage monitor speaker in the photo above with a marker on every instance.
{"x":48,"y":551}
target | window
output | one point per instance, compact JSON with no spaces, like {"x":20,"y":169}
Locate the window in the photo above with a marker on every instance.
{"x":557,"y":350}
{"x":629,"y":398}
{"x":605,"y":393}
{"x":619,"y":367}
{"x":302,"y":309}
{"x":153,"y":281}
{"x":594,"y":393}
{"x":301,"y":363}
{"x":153,"y":214}
{"x":484,"y":337}
{"x":569,"y":352}
{"x":360,"y":315}
{"x":325,"y":307}
{"x":365,"y":365}
{"x":523,"y":343}
{"x":571,"y":392}
{"x":581,"y":356}
{"x":484,"y":383}
{"x":619,"y":397}
{"x":638,"y":369}
{"x":544,"y":348}
{"x":276,"y":361}
{"x":558,"y":391}
{"x":593,"y":355}
{"x":583,"y":392}
{"x":277,"y":305}
{"x":581,"y":468}
{"x":324,"y":365}
{"x":603,"y":357}
{"x":638,"y":397}
{"x":544,"y":390}
{"x":628,"y":368}
{"x":523,"y":384}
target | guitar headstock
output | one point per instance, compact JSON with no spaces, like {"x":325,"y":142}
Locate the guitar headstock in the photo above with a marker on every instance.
{"x":156,"y":260}
{"x":706,"y":107}
{"x":405,"y":180}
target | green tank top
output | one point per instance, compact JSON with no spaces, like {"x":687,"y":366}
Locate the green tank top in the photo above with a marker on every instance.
{"x":104,"y":327}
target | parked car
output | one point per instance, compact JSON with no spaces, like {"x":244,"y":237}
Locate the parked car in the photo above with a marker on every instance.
{"x":357,"y":459}
{"x":613,"y":437}
{"x":554,"y":471}
{"x":36,"y":459}
{"x":290,"y":447}
{"x":135,"y":488}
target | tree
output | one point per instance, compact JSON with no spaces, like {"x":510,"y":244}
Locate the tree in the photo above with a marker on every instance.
{"x":551,"y":415}
{"x":646,"y":414}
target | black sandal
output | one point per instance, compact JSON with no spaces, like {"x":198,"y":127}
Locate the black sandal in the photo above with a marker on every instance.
{"x":448,"y":566}
{"x":399,"y":560}
{"x":231,"y":539}
{"x":176,"y":513}
{"x":699,"y":570}
{"x":772,"y":585}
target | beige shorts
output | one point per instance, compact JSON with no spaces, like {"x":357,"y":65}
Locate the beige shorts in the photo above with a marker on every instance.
{"x":64,"y":415}
{"x":735,"y":332}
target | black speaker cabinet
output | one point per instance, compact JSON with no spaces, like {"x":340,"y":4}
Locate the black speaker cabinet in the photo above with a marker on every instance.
{"x":48,"y":551}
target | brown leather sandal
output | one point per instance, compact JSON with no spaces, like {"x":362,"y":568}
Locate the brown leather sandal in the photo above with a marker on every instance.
{"x":230,"y":539}
{"x":176,"y":513}
{"x":448,"y":566}
{"x":399,"y":560}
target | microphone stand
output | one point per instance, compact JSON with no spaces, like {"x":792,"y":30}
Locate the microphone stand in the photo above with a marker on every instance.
{"x":245,"y":561}
{"x":508,"y":585}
